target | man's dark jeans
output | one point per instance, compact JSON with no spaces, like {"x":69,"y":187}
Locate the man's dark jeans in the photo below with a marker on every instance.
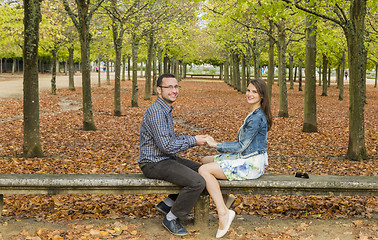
{"x":182,"y":172}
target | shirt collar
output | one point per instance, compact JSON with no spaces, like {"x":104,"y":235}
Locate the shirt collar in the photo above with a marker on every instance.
{"x":166,"y":107}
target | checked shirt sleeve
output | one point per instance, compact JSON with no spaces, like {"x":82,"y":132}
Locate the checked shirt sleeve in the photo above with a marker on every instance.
{"x":167,"y":141}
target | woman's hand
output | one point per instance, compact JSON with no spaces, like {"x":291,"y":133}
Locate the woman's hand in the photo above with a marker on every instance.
{"x":211,"y":142}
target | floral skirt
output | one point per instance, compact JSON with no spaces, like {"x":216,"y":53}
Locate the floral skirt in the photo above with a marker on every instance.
{"x":236,"y":168}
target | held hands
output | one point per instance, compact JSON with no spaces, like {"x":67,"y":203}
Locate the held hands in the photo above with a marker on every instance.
{"x":203,"y":139}
{"x":211,"y":142}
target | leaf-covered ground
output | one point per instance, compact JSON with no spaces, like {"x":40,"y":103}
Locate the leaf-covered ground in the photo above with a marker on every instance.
{"x":203,"y":107}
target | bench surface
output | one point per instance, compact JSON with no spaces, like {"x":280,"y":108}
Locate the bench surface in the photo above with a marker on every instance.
{"x":204,"y":75}
{"x":138,"y":184}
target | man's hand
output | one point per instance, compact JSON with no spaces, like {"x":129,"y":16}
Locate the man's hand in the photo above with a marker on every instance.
{"x":201,"y":139}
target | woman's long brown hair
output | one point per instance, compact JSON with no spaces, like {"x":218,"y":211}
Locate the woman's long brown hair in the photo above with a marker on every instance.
{"x":262,"y":89}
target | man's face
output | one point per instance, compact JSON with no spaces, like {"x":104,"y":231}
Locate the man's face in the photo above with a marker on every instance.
{"x":168,"y":90}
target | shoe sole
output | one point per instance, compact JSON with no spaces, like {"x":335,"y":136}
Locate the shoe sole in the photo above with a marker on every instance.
{"x":176,"y":234}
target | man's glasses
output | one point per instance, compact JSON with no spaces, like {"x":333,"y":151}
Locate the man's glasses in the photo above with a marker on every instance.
{"x":170,"y":87}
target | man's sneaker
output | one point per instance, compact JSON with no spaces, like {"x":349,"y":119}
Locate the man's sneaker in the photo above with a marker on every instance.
{"x":174,"y":227}
{"x":163,"y":208}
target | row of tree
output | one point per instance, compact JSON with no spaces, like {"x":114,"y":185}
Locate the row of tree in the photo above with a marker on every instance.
{"x":226,"y":34}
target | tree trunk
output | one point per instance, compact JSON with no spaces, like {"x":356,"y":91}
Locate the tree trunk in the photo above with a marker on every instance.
{"x":281,"y":48}
{"x":118,"y":31}
{"x":71,"y":69}
{"x":107,"y":71}
{"x":123,"y":78}
{"x":154,"y":72}
{"x":243,"y":75}
{"x":150,"y":55}
{"x":248,"y":65}
{"x":85,"y":38}
{"x":310,"y":120}
{"x":226,"y":70}
{"x":166,"y":67}
{"x":160,"y":61}
{"x":300,"y":75}
{"x":355,"y":35}
{"x":236,"y":71}
{"x":32,"y":18}
{"x":184,"y":65}
{"x":134,"y":94}
{"x":320,"y":74}
{"x":329,"y":76}
{"x":341,"y":77}
{"x":256,"y":60}
{"x":376,"y":74}
{"x":325,"y":66}
{"x":231,"y":71}
{"x":128,"y":68}
{"x":221,"y":72}
{"x":270,"y":62}
{"x":53,"y":72}
{"x":291,"y":66}
{"x":99,"y":71}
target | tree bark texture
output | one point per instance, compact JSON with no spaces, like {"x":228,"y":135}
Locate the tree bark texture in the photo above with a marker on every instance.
{"x":243,"y":75}
{"x":291,"y":66}
{"x":85,"y":38}
{"x":281,"y":49}
{"x":32,"y":17}
{"x":118,"y":31}
{"x":341,"y":77}
{"x":226,"y":70}
{"x":325,"y":67}
{"x":300,"y":70}
{"x":236,"y":70}
{"x":107,"y":71}
{"x":355,"y":35}
{"x":310,"y":120}
{"x":150,"y":55}
{"x":123,"y":77}
{"x":271,"y":61}
{"x":71,"y":69}
{"x":53,"y":72}
{"x":134,"y":94}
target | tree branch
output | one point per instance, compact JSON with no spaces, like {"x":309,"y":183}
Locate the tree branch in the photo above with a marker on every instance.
{"x":72,"y":15}
{"x":341,"y":24}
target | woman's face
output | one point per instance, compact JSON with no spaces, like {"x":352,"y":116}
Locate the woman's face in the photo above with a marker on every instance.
{"x":253,"y":97}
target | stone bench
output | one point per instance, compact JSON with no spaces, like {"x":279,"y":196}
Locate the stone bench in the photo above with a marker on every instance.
{"x":53,"y":184}
{"x":205,"y":75}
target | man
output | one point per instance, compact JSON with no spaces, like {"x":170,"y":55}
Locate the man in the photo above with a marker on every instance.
{"x":158,"y":147}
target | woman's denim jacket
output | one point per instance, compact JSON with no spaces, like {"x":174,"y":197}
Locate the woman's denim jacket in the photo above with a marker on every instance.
{"x":252,"y":136}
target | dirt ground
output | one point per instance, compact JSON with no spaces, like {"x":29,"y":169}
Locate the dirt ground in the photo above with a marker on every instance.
{"x":243,"y":227}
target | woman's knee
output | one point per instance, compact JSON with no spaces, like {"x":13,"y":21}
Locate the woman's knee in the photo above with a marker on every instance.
{"x":202,"y":170}
{"x":207,"y":159}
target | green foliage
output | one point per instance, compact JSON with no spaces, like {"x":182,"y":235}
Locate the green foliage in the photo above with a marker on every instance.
{"x":192,"y":31}
{"x":11,"y":31}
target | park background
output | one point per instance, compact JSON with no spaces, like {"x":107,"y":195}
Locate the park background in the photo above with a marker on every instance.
{"x":231,"y":36}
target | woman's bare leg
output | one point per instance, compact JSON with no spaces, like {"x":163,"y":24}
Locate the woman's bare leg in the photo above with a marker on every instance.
{"x":207,"y":159}
{"x":211,"y":172}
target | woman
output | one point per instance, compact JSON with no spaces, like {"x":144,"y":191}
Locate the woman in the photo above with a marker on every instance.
{"x":247,"y":156}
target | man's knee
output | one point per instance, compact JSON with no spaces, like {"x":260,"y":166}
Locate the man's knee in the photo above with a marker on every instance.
{"x":200,"y":183}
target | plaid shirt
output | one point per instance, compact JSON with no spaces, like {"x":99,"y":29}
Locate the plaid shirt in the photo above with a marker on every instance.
{"x":158,"y":140}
